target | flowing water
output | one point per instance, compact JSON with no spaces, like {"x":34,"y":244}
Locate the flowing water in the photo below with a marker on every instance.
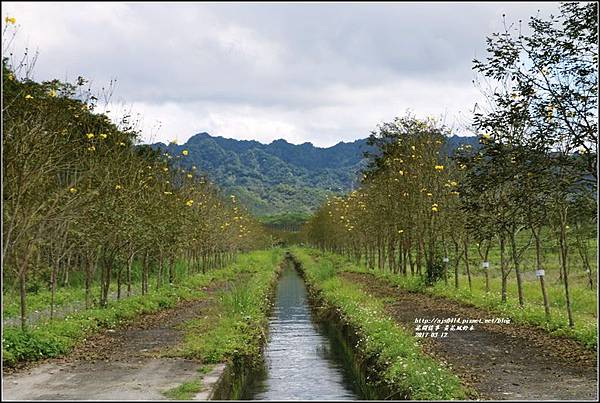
{"x":303,"y":359}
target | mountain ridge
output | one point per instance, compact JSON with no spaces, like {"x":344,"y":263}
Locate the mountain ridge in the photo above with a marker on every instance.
{"x":278,"y":177}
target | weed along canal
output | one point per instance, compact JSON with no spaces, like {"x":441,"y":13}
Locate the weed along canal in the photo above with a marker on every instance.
{"x":304,"y":359}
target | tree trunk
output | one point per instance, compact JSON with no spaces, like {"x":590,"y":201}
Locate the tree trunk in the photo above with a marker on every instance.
{"x":564,"y":263}
{"x":129,"y":266}
{"x":119,"y":270}
{"x":466,"y":246}
{"x":171,"y":269}
{"x":145,"y":274}
{"x":456,"y":262}
{"x":107,"y":272}
{"x":582,"y":247}
{"x":23,"y":295}
{"x":88,"y":281}
{"x":503,"y":269}
{"x":539,"y":265}
{"x":53,"y":276}
{"x":515,"y":256}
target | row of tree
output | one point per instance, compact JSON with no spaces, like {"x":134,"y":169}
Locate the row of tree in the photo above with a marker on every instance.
{"x":534,"y":174}
{"x":82,"y":201}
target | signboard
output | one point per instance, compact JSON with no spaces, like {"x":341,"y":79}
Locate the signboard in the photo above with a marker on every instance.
{"x":446,"y":260}
{"x":540,"y":273}
{"x":485,"y":265}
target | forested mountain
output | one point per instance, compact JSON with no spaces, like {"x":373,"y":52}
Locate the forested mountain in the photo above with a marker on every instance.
{"x":277,"y":177}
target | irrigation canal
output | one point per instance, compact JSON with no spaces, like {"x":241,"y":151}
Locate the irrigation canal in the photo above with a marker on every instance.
{"x":304,"y":359}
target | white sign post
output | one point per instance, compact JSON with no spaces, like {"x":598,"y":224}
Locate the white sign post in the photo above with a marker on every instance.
{"x":485,"y":265}
{"x":540,"y":273}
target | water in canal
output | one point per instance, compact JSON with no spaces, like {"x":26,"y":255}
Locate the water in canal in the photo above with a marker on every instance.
{"x":303,"y":361}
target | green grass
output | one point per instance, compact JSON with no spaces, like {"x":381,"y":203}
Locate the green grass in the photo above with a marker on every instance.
{"x":233,"y":327}
{"x":583,"y":300}
{"x":74,"y":293}
{"x":185,"y":391}
{"x":57,"y":337}
{"x":401,"y":365}
{"x":551,"y":259}
{"x":41,"y":300}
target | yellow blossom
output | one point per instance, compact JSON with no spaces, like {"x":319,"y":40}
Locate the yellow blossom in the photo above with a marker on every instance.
{"x":90,"y":135}
{"x":439,"y":168}
{"x":165,"y":169}
{"x":168,"y":193}
{"x":52,"y":93}
{"x":190,"y":175}
{"x":118,"y":187}
{"x":185,"y":152}
{"x":401,"y":173}
{"x":73,"y":190}
{"x":103,"y":136}
{"x":28,"y":96}
{"x":91,"y":148}
{"x":189,"y":203}
{"x":122,"y":144}
{"x":10,"y":20}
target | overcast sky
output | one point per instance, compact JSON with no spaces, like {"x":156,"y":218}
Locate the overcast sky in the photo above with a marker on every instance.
{"x":321,"y":73}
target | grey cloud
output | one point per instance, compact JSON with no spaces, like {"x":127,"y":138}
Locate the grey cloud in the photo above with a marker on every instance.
{"x":273,"y":57}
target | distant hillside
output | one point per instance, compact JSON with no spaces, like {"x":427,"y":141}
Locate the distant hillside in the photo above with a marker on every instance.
{"x":278,"y":177}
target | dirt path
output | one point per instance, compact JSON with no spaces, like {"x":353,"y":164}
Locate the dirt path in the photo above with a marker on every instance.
{"x":500,"y":361}
{"x":122,"y":364}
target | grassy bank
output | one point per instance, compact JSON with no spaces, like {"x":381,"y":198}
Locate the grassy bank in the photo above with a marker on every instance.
{"x":72,"y":297}
{"x":57,"y":337}
{"x":583,"y":301}
{"x":399,"y":363}
{"x":233,"y":327}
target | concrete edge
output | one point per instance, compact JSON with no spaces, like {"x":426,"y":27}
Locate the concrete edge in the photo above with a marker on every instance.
{"x":210,"y":382}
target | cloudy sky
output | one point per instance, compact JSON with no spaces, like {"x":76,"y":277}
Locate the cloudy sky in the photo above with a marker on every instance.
{"x":317,"y":72}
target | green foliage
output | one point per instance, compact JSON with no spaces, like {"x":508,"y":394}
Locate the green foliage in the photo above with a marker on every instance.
{"x":81,"y":199}
{"x":401,"y":365}
{"x":274,"y":178}
{"x":278,"y":178}
{"x":285,"y":221}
